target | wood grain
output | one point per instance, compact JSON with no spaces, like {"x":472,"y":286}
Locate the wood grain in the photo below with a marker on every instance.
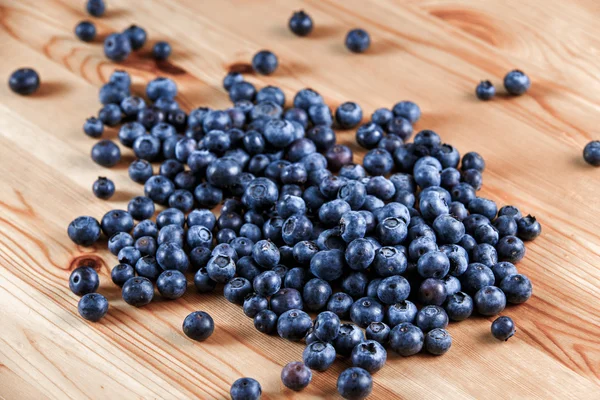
{"x":430,"y":51}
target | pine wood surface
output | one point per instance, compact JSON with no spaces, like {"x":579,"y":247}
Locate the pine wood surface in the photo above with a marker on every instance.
{"x":432,"y":52}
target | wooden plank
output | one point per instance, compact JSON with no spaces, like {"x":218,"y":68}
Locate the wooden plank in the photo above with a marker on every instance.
{"x":432,"y":52}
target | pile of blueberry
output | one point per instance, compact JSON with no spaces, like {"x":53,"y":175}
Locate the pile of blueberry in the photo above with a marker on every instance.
{"x":398,"y":246}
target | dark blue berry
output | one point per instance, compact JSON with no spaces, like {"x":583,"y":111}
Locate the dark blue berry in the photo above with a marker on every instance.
{"x":485,"y":90}
{"x":503,"y":328}
{"x":92,"y":306}
{"x":516,"y":82}
{"x":357,"y":41}
{"x":198,"y":326}
{"x":86,"y":31}
{"x":138,"y":291}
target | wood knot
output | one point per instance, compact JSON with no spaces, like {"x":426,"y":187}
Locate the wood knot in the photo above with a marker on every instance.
{"x":86,"y":260}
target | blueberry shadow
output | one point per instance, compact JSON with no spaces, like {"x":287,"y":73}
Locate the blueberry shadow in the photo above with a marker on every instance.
{"x":112,"y":12}
{"x":50,"y":88}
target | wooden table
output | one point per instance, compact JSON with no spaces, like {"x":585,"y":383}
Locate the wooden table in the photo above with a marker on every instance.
{"x":433,"y":52}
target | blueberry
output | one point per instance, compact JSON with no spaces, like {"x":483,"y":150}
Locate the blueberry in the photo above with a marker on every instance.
{"x":432,"y":291}
{"x":502,"y":269}
{"x":352,"y":226}
{"x":528,"y":228}
{"x":85,"y":31}
{"x":145,"y":228}
{"x":517,"y":288}
{"x":516,"y":82}
{"x":403,"y":311}
{"x":463,"y":193}
{"x":171,"y":284}
{"x":161,"y":87}
{"x":408,"y":110}
{"x":326,"y":326}
{"x":389,"y":261}
{"x":485,"y":90}
{"x":438,"y":341}
{"x":316,"y":294}
{"x":503,"y":328}
{"x":146,"y":245}
{"x":300,"y":23}
{"x":489,"y":300}
{"x":171,"y":234}
{"x":83,"y":280}
{"x":458,"y":211}
{"x":459,"y":306}
{"x":379,"y":332}
{"x":161,"y":50}
{"x":181,"y":200}
{"x":137,"y":36}
{"x":476,"y":277}
{"x":452,"y":285}
{"x":103,"y":188}
{"x":484,"y":207}
{"x":353,"y":193}
{"x":293,"y":324}
{"x":286,"y":299}
{"x":510,"y":211}
{"x":199,"y":257}
{"x":357,"y":41}
{"x":267,"y":283}
{"x":150,"y":117}
{"x":472,"y":160}
{"x":198,"y":326}
{"x":203,"y":282}
{"x":318,"y":356}
{"x":266,"y":322}
{"x":369,"y":135}
{"x":510,"y":248}
{"x":360,"y":254}
{"x":432,"y":204}
{"x":485,"y":254}
{"x":129,"y":255}
{"x":121,"y":273}
{"x":348,"y":115}
{"x":473,"y":221}
{"x":296,"y":376}
{"x":406,"y":339}
{"x":348,"y":337}
{"x":506,"y":225}
{"x":147,"y":267}
{"x":92,"y":307}
{"x":264,"y":62}
{"x":340,"y":303}
{"x":242,"y":91}
{"x":129,"y":132}
{"x":245,"y":389}
{"x":431,"y":317}
{"x":116,"y":221}
{"x":393,"y":289}
{"x":366,"y":310}
{"x":255,"y":303}
{"x":95,"y":8}
{"x":84,"y":231}
{"x":458,"y":258}
{"x":421,"y":246}
{"x":486,"y":233}
{"x":106,"y":153}
{"x":447,"y":155}
{"x":117,"y":47}
{"x":236,"y":290}
{"x":138,"y":291}
{"x":328,"y":264}
{"x":147,"y":147}
{"x":433,"y":264}
{"x":382,"y":116}
{"x":591,"y":153}
{"x":473,"y":178}
{"x":448,"y":228}
{"x":369,"y":355}
{"x":468,"y":243}
{"x":93,"y":127}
